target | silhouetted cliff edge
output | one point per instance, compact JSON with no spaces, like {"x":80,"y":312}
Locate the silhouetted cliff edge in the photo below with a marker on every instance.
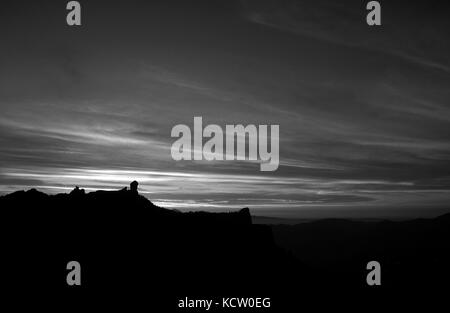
{"x":137,"y":255}
{"x":127,"y":246}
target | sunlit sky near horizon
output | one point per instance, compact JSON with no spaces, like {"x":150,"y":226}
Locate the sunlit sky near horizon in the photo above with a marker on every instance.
{"x":364,"y":113}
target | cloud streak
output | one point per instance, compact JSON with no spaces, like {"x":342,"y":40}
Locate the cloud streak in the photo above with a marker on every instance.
{"x":363,"y":114}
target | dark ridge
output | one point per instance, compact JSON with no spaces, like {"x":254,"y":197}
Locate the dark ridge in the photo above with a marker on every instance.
{"x":135,"y":254}
{"x":129,"y":247}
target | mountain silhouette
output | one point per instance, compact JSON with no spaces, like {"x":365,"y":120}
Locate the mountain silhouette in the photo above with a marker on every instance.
{"x":129,"y":247}
{"x":135,"y":254}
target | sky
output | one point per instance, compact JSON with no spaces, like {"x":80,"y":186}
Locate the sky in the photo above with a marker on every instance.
{"x":364,"y":112}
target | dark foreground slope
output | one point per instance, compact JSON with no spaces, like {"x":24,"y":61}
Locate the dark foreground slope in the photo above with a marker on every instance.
{"x":137,"y":256}
{"x":133,"y":253}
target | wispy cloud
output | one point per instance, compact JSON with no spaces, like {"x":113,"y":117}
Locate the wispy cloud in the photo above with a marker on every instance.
{"x":343,"y":23}
{"x":363,"y":112}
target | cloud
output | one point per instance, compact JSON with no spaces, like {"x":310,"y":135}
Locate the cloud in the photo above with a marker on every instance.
{"x":402,"y":34}
{"x":363,"y":113}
